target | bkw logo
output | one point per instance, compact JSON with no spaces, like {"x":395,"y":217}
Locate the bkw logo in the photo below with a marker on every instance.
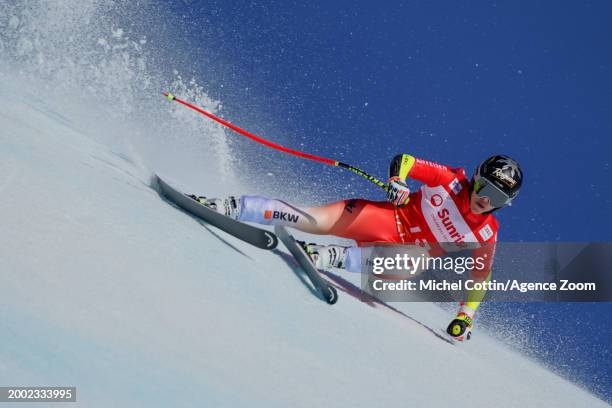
{"x":281,"y":215}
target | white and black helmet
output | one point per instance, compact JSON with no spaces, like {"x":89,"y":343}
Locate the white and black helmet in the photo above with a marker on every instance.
{"x":499,"y":178}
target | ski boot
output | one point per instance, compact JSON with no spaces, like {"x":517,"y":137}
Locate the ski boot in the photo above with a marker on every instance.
{"x":325,"y":256}
{"x":230,"y":206}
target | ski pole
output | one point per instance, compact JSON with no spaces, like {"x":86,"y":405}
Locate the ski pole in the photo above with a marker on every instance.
{"x":265,"y":142}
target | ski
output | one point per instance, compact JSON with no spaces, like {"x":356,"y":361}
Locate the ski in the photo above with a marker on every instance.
{"x":325,"y":288}
{"x":245,"y":232}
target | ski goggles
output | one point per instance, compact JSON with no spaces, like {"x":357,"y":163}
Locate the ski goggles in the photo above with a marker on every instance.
{"x":484,"y":188}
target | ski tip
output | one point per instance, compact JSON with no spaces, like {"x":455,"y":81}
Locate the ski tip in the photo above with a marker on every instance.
{"x":169,"y":96}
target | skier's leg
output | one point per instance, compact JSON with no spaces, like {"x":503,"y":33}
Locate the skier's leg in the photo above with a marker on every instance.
{"x":357,"y":219}
{"x":360,"y":220}
{"x":367,"y":221}
{"x":268,"y":211}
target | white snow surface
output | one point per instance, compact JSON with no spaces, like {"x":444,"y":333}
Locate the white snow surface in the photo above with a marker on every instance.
{"x":107,"y":287}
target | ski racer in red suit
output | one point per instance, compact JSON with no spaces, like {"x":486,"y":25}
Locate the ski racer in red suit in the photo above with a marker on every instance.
{"x":447,"y":208}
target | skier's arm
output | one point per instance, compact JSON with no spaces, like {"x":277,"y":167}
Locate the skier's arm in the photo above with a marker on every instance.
{"x":474,"y":297}
{"x":481,"y":274}
{"x":461,"y":326}
{"x":432,"y":174}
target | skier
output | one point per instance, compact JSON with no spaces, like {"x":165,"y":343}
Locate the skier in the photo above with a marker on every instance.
{"x":448,"y":208}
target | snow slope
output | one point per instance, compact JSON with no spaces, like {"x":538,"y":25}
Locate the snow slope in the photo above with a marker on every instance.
{"x":106,"y":287}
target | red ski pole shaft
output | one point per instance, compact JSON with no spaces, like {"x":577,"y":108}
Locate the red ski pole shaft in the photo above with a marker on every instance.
{"x":284,"y":149}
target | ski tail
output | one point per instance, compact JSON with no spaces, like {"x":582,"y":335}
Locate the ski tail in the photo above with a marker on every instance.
{"x":325,"y":288}
{"x":255,"y":236}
